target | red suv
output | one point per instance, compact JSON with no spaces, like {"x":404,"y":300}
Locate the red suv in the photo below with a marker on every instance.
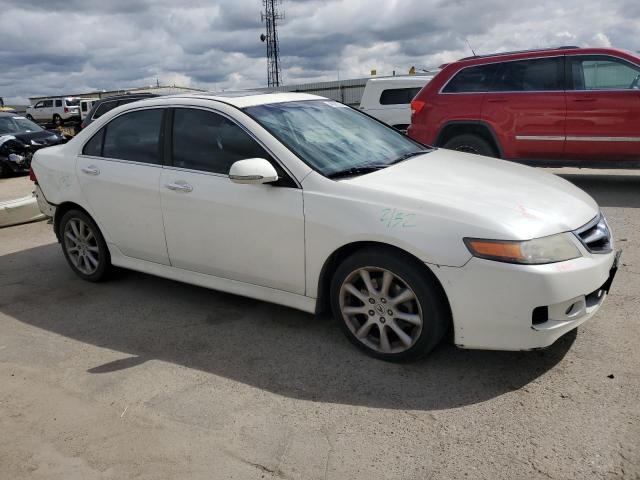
{"x":555,"y":106}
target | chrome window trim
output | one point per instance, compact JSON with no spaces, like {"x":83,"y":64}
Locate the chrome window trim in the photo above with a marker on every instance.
{"x":576,"y":138}
{"x":120,"y":160}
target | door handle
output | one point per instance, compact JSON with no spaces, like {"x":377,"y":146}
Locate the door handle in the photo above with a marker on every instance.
{"x":179,"y":186}
{"x":91,"y":170}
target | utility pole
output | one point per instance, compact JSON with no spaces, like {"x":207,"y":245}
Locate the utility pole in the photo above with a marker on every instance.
{"x":271,"y":16}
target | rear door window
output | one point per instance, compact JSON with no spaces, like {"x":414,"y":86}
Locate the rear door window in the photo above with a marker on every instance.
{"x":536,"y":75}
{"x":58,"y":103}
{"x":601,"y":72}
{"x":398,"y":96}
{"x":134,"y":136}
{"x":47,"y":104}
{"x":472,"y":79}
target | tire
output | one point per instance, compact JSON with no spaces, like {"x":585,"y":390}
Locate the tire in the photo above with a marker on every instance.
{"x":365,"y":313}
{"x":57,"y":120}
{"x":89,"y":243}
{"x":470,"y":143}
{"x":29,"y":117}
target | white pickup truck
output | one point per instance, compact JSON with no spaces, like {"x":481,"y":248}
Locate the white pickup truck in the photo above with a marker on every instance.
{"x":389,"y":98}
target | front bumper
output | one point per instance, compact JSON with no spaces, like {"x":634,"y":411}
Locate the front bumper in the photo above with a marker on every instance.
{"x":493,"y":303}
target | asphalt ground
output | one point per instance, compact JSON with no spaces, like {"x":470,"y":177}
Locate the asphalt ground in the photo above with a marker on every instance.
{"x":146,"y":378}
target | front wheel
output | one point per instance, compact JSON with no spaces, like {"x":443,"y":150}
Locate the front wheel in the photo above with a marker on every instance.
{"x":388,"y":305}
{"x":470,"y":143}
{"x":84,"y":246}
{"x":29,"y":117}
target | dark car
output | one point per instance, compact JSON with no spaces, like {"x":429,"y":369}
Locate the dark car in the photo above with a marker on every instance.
{"x":19,"y":139}
{"x":106,"y":104}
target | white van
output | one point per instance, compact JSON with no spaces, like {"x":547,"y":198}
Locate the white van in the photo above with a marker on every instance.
{"x":54,"y":110}
{"x":85,"y":106}
{"x":389,"y":98}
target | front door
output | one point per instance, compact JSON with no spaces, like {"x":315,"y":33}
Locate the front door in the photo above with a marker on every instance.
{"x":250,"y":233}
{"x":526,"y":105}
{"x":119,"y":172}
{"x":603,"y":109}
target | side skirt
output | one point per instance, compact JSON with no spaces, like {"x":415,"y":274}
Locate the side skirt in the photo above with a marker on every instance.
{"x":293,"y":300}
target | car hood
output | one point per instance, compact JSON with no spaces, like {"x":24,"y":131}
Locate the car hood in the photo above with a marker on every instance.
{"x":505,"y":198}
{"x":43,"y":138}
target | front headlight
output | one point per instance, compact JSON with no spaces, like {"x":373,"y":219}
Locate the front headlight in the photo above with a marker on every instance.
{"x":555,"y":248}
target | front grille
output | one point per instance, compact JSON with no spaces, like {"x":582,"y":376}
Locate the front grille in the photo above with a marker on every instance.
{"x":595,"y":235}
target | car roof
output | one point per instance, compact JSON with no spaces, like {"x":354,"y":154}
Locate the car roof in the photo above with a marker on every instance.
{"x":245,"y":98}
{"x":403,"y":78}
{"x":538,"y":53}
{"x":10,"y":114}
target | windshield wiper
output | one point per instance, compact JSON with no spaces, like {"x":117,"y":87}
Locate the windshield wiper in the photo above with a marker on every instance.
{"x":361,"y":170}
{"x":406,"y":156}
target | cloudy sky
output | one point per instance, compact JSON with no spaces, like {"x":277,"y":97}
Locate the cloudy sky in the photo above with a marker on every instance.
{"x":68,"y":46}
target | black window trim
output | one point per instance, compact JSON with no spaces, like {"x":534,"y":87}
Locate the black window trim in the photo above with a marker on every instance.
{"x":569,"y":73}
{"x":93,"y":115}
{"x":442,"y":92}
{"x":161,"y":140}
{"x":169,"y":144}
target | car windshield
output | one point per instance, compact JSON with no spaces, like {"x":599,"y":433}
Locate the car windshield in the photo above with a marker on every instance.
{"x":18,"y":125}
{"x":71,"y":102}
{"x":333,"y":138}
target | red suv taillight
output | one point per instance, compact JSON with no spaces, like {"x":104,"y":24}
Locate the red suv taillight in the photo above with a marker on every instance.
{"x":66,"y":110}
{"x":417,"y":106}
{"x":32,"y":175}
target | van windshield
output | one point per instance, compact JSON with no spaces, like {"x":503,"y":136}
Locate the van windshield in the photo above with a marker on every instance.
{"x":333,"y":138}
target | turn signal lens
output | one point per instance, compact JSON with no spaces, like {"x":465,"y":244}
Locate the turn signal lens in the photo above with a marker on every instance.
{"x":555,"y":248}
{"x":32,"y":175}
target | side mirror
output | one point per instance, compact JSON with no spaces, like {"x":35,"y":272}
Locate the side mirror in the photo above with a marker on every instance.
{"x":253,"y":171}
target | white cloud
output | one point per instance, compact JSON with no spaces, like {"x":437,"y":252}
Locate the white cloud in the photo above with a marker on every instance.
{"x":64,"y":46}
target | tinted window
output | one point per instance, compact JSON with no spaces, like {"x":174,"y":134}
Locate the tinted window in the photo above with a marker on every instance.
{"x":597,"y":72}
{"x":104,"y":108}
{"x":472,"y":79}
{"x":94,"y":146}
{"x":58,"y":103}
{"x":71,"y":102}
{"x":39,"y":105}
{"x":134,"y":136}
{"x":83,"y":106}
{"x":398,"y":96}
{"x":47,"y":103}
{"x":530,"y":75}
{"x":210,"y":142}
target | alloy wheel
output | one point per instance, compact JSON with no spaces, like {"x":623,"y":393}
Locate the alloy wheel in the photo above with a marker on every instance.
{"x":381,"y":310}
{"x":81,"y":245}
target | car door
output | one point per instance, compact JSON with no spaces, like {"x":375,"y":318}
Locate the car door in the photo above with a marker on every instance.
{"x":527,"y":108}
{"x":119,"y":173}
{"x":603,"y":109}
{"x":249,"y":233}
{"x":36,"y":112}
{"x":46,"y":113}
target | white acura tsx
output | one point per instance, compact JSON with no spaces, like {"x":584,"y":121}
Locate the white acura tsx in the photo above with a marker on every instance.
{"x":305,"y":202}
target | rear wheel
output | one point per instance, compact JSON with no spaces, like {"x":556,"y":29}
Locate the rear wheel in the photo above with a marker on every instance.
{"x":470,"y":143}
{"x":84,"y":246}
{"x":388,"y":305}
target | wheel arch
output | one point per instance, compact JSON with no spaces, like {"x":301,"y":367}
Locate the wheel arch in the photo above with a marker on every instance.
{"x":339,"y":255}
{"x":64,"y":208}
{"x":476,"y":127}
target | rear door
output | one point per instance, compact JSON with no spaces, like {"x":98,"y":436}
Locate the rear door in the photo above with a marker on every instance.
{"x":603,"y":109}
{"x":119,"y":172}
{"x":527,"y":108}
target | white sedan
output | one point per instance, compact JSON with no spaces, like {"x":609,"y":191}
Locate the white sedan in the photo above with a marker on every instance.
{"x":305,"y":202}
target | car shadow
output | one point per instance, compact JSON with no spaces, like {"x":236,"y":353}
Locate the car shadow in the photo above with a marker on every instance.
{"x":609,"y":190}
{"x":274,"y":348}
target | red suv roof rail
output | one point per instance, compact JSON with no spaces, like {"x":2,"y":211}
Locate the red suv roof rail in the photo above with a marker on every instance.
{"x":497,"y":54}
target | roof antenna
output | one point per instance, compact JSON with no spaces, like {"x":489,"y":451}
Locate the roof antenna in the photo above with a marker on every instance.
{"x":470,"y":48}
